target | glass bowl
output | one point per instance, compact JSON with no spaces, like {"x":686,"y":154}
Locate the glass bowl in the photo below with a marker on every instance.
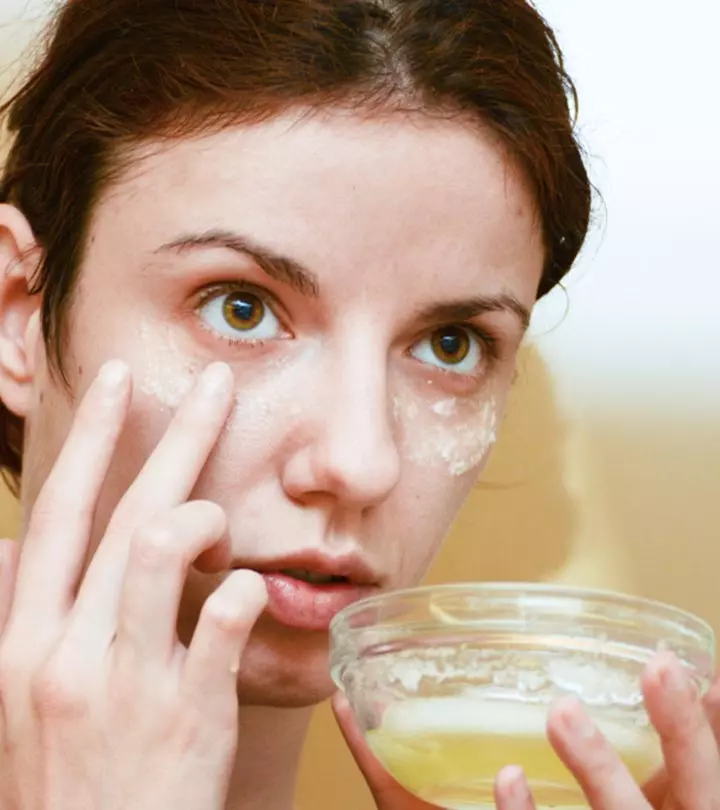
{"x":450,"y":684}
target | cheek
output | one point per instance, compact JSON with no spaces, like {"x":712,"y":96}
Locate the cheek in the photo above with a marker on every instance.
{"x":427,"y":502}
{"x":242,"y":455}
{"x":445,"y":444}
{"x":163,"y":372}
{"x":451,"y":436}
{"x":267,"y":410}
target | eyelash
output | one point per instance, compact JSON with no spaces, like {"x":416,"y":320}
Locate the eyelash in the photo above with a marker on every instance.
{"x":488,"y":341}
{"x":228,"y":287}
{"x":489,"y":347}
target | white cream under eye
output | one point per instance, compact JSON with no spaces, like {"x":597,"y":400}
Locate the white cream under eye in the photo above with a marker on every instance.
{"x":426,"y":352}
{"x":240,"y":315}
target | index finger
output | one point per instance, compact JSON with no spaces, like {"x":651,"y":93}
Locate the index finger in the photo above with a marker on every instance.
{"x":55,"y":545}
{"x":172,"y":470}
{"x":588,"y":755}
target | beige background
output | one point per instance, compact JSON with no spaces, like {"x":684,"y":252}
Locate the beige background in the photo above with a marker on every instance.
{"x":606,"y":473}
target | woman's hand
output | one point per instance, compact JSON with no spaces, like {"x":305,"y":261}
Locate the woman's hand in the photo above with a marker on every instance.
{"x":102,"y":707}
{"x":688,"y":727}
{"x":689,"y":730}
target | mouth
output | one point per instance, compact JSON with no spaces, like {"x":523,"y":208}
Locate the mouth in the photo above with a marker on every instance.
{"x":313,"y":577}
{"x":306,"y":591}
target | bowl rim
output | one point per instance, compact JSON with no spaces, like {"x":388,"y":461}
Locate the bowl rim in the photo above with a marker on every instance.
{"x":639,"y":604}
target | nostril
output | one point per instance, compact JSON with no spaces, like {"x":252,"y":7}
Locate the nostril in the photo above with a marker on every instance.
{"x":350,"y":457}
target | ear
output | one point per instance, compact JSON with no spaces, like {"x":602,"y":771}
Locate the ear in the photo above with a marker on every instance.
{"x":19,"y":310}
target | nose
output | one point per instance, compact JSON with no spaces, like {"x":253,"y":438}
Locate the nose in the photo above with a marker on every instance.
{"x":347,"y":451}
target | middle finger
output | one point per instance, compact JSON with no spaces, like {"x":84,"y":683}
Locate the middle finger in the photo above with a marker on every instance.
{"x":166,"y":481}
{"x":161,"y":554}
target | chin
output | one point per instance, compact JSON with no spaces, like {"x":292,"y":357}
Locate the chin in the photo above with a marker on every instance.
{"x":284,"y":667}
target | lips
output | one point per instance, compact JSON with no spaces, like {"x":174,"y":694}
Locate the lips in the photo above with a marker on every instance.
{"x":307,"y":590}
{"x":306,"y":606}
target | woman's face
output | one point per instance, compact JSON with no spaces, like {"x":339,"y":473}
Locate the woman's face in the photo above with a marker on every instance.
{"x":368,"y":282}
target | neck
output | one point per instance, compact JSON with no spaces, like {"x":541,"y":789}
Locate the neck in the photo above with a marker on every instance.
{"x":269,"y":749}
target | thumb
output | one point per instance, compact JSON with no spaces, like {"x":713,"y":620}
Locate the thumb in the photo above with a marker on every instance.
{"x":388,"y":794}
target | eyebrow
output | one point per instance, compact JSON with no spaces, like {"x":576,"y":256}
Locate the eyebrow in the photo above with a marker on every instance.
{"x":281,"y":268}
{"x":466,"y":310}
{"x":291,"y":272}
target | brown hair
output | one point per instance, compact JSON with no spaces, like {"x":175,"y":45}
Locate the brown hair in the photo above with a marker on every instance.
{"x":116,"y":73}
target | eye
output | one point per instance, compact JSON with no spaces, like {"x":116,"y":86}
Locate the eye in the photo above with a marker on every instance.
{"x":452,"y":348}
{"x":240,"y":315}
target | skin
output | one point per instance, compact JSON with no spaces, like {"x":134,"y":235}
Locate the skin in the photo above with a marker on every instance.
{"x":304,"y":446}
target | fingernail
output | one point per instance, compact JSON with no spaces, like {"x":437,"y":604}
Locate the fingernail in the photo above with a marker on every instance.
{"x":512,"y":781}
{"x":215,"y":380}
{"x":577,"y":723}
{"x":113,"y":374}
{"x":673,"y":677}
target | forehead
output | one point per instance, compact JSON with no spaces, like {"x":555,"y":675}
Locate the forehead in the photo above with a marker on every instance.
{"x":332,"y":188}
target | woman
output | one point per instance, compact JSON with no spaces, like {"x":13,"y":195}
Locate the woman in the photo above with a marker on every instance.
{"x":267,"y":266}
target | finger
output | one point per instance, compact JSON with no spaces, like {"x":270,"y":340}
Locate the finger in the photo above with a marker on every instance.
{"x":594,"y":763}
{"x":9,"y":554}
{"x":161,"y":554}
{"x":171,"y":472}
{"x":711,"y":702}
{"x":226,"y":621}
{"x":512,"y":791}
{"x":688,"y":742}
{"x":56,"y":543}
{"x":656,"y":788}
{"x":388,"y":793}
{"x":8,"y":568}
{"x":166,"y":481}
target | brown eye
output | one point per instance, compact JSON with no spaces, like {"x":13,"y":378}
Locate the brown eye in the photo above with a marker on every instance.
{"x":241,"y":315}
{"x":452,"y":348}
{"x":243,"y":311}
{"x":451,"y":345}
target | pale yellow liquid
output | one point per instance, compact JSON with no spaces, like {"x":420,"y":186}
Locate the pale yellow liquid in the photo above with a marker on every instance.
{"x":448,"y":751}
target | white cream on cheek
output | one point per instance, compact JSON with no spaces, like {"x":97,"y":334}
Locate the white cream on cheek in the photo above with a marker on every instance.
{"x":453,"y":433}
{"x":167,"y":375}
